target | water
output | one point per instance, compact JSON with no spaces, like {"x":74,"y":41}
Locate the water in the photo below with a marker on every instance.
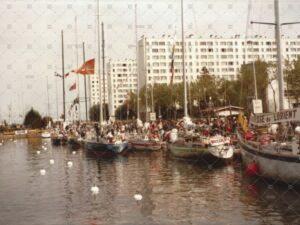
{"x":174,"y":192}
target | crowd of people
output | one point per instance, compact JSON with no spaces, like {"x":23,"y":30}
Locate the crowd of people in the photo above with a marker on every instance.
{"x":154,"y":130}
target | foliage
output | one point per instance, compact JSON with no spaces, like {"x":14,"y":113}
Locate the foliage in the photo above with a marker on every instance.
{"x":33,"y":119}
{"x":292,"y":78}
{"x":129,"y":107}
{"x":246,"y":80}
{"x":46,"y":120}
{"x":94,"y":112}
{"x":207,"y":91}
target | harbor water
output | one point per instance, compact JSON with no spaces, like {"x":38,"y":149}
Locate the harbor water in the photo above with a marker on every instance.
{"x":173,"y":191}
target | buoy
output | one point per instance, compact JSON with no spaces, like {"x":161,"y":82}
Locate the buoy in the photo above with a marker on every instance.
{"x":38,"y":152}
{"x":42,"y":172}
{"x":15,"y":141}
{"x":74,"y":153}
{"x":138,"y":197}
{"x":95,"y":190}
{"x":252,"y":169}
{"x":51,"y":161}
{"x":70,"y":164}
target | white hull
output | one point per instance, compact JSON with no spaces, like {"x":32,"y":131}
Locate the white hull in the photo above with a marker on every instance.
{"x":274,"y":165}
{"x":222,"y":152}
{"x":46,"y":135}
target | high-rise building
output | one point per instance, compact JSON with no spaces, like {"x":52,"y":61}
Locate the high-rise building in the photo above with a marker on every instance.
{"x":120,"y":80}
{"x":94,"y":89}
{"x":222,"y":57}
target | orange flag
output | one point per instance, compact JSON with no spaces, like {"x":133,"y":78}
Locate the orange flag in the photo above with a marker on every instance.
{"x":87,"y":68}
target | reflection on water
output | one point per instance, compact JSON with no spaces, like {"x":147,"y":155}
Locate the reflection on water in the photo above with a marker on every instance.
{"x":174,"y":191}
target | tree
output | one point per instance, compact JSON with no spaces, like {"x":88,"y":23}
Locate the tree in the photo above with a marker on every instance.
{"x":94,"y":112}
{"x":292,"y":78}
{"x":246,"y":82}
{"x":46,"y":120}
{"x":33,"y":119}
{"x":204,"y":92}
{"x":129,"y":106}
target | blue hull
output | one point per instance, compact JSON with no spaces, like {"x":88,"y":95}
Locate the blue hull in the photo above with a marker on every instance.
{"x":100,"y":147}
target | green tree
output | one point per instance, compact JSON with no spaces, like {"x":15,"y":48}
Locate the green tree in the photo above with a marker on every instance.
{"x":229,"y":92}
{"x":246,"y":82}
{"x":204,"y":92}
{"x":94,"y":112}
{"x":129,"y":106}
{"x":33,"y":119}
{"x":46,"y":120}
{"x":292,"y":78}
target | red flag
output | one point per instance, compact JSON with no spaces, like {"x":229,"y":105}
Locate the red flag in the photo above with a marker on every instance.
{"x":87,"y":68}
{"x":73,"y":87}
{"x":67,"y":74}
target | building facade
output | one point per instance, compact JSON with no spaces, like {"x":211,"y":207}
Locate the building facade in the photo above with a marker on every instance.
{"x":120,"y":80}
{"x":221,"y":56}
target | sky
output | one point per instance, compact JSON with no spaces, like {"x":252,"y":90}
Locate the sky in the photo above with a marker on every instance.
{"x":30,"y":38}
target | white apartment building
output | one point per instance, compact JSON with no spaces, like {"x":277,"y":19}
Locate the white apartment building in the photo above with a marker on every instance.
{"x":93,"y":82}
{"x":222,"y":57}
{"x":122,"y":79}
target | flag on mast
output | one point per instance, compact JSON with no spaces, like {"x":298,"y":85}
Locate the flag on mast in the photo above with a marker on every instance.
{"x":73,"y":87}
{"x":87,"y":68}
{"x":67,"y":74}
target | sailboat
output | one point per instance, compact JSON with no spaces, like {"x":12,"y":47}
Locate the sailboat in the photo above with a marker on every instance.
{"x":205,"y":147}
{"x":144,"y":142}
{"x":277,"y":159}
{"x":104,"y":145}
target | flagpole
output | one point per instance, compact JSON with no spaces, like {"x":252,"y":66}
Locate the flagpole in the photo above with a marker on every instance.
{"x":183,"y":63}
{"x":63,"y":75}
{"x":78,"y":90}
{"x":56,"y":92}
{"x":103,"y":69}
{"x":85,"y":94}
{"x":48,"y":102}
{"x":137,"y":72}
{"x":99,"y":74}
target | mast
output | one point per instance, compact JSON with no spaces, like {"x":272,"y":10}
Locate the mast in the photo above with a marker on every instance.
{"x":63,"y":75}
{"x":56,"y":92}
{"x":277,"y":25}
{"x":103,"y":69}
{"x":137,"y":72}
{"x":85,"y":94}
{"x":145,"y":71}
{"x":48,"y":103}
{"x":78,"y":90}
{"x":183,"y":63}
{"x":152,"y":100}
{"x":99,"y":73}
{"x":279,"y":56}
